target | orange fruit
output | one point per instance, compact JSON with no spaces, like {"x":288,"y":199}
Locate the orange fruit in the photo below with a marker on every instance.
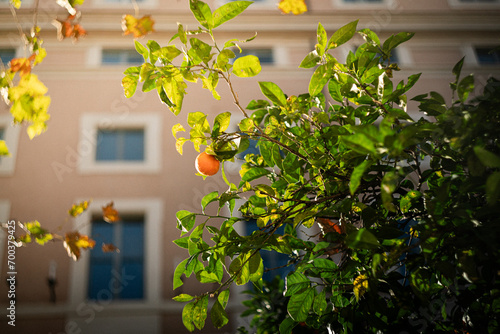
{"x":207,"y":164}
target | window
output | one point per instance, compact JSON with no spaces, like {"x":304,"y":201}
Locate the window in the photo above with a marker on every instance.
{"x":487,"y":55}
{"x":364,"y":3}
{"x":474,"y":3}
{"x":111,"y":143}
{"x":10,"y":133}
{"x":138,"y":236}
{"x":121,"y":57}
{"x":265,"y":55}
{"x":128,"y":236}
{"x":7,"y":55}
{"x":120,"y":145}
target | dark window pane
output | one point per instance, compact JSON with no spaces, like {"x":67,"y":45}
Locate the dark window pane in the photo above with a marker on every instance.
{"x":117,"y":275}
{"x":133,"y":145}
{"x":487,"y":56}
{"x":121,"y":57}
{"x":265,"y":56}
{"x":7,"y":55}
{"x":120,"y":145}
{"x":107,"y":143}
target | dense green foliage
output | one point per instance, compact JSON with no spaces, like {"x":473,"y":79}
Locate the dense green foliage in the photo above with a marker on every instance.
{"x":400,"y":212}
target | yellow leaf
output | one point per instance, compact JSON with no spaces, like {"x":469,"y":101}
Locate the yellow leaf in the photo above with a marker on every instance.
{"x":137,"y":27}
{"x":78,"y":209}
{"x":74,"y":242}
{"x":295,"y":7}
{"x":4,"y":150}
{"x":360,"y":286}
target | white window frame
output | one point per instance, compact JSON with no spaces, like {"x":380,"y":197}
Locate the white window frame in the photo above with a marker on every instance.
{"x":11,"y":137}
{"x":91,"y":122}
{"x":364,"y":5}
{"x":476,"y":5}
{"x":4,"y":218}
{"x":264,"y":4}
{"x":123,"y":4}
{"x":143,"y":310}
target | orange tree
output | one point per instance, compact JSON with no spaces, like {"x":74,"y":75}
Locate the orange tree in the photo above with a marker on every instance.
{"x":407,"y":206}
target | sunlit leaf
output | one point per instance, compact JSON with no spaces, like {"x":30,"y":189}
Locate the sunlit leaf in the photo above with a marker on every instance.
{"x":74,"y":242}
{"x":110,"y":214}
{"x":137,"y":27}
{"x":4,"y":151}
{"x":295,"y":7}
{"x":78,"y":209}
{"x":229,"y":11}
{"x":202,"y":13}
{"x":40,"y":234}
{"x":69,"y":28}
{"x":360,"y":286}
{"x":247,"y":66}
{"x":21,"y":65}
{"x":273,"y":92}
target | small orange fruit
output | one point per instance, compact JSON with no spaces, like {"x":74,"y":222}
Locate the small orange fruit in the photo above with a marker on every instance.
{"x":207,"y":164}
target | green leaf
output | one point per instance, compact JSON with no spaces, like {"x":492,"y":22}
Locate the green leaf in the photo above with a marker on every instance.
{"x":273,"y":93}
{"x":168,"y":53}
{"x":185,"y":220}
{"x":202,"y":13}
{"x":200,"y":50}
{"x":320,"y":303}
{"x":154,"y":49}
{"x":229,"y":11}
{"x":361,"y":239}
{"x":183,"y":297}
{"x":342,"y":35}
{"x":395,"y":40}
{"x":493,"y":188}
{"x":200,"y":312}
{"x":310,"y":60}
{"x":129,"y":84}
{"x":322,"y":39}
{"x":247,"y":66}
{"x":486,"y":157}
{"x":457,"y":69}
{"x":300,"y":304}
{"x":287,"y":326}
{"x":370,"y":37}
{"x":252,"y":174}
{"x":209,"y":198}
{"x":179,"y":271}
{"x":218,"y":315}
{"x":142,"y":50}
{"x":319,"y":79}
{"x":357,"y":175}
{"x":465,"y":87}
{"x":389,"y":184}
{"x":296,"y":282}
{"x":361,"y":143}
{"x":188,"y":316}
{"x":221,"y":123}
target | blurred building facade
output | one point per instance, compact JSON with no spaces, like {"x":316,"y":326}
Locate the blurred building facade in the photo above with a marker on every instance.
{"x":103,"y":147}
